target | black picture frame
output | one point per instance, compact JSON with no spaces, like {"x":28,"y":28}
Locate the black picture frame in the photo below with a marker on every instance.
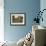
{"x":18,"y":19}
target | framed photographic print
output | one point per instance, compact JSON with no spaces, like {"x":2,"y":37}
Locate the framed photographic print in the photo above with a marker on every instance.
{"x":17,"y":18}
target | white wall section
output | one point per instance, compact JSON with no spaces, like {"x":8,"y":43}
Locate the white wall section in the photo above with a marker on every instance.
{"x":1,"y":20}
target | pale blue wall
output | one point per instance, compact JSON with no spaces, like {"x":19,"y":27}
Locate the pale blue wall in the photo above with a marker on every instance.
{"x":43,"y":6}
{"x":14,"y":33}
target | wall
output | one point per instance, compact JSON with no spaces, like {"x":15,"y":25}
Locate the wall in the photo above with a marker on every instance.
{"x":43,"y":6}
{"x":14,"y":33}
{"x":1,"y":20}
